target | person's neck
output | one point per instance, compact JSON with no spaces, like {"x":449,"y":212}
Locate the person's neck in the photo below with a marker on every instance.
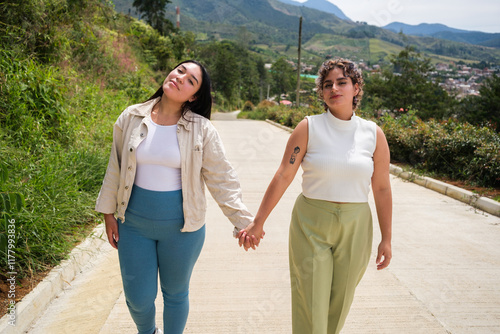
{"x":166,"y":112}
{"x":343,"y":114}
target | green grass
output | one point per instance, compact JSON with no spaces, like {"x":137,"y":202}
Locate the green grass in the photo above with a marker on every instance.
{"x":60,"y":181}
{"x":338,"y":46}
{"x":56,"y":120}
{"x":380,"y":50}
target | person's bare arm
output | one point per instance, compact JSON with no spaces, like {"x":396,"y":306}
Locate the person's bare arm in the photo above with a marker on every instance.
{"x":382,"y":194}
{"x":292,"y":158}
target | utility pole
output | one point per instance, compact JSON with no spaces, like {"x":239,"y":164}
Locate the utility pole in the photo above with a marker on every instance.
{"x":298,"y":62}
{"x":178,"y":17}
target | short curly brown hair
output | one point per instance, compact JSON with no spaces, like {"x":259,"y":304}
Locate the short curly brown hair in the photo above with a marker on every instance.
{"x":350,"y":70}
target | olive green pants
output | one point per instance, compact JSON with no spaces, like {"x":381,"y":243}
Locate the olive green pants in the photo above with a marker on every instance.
{"x":329,"y":248}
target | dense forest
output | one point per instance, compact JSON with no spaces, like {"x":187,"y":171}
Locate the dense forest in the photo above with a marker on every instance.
{"x":69,"y":67}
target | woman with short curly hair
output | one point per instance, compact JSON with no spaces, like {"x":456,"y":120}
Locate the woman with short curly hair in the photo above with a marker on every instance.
{"x":330,"y":243}
{"x":349,"y":69}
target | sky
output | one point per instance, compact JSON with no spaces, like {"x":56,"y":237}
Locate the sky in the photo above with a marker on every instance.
{"x":476,"y":15}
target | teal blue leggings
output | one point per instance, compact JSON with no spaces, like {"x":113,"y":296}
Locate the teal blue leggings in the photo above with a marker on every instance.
{"x":150,"y":243}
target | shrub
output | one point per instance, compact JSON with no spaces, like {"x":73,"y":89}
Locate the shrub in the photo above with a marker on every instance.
{"x":280,"y":113}
{"x":59,"y":188}
{"x":266,"y":104}
{"x":448,"y":148}
{"x":32,"y":102}
{"x":248,"y":106}
{"x":158,"y":49}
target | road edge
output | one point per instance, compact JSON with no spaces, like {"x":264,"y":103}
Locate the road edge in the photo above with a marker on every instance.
{"x":35,"y":303}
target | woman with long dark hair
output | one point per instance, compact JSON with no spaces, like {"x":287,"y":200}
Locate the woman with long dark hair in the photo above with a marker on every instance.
{"x":164,"y":152}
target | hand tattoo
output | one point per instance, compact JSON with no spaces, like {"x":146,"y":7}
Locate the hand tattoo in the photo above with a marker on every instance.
{"x":294,"y":154}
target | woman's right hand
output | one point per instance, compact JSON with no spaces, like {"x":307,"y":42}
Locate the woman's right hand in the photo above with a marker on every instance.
{"x":111,"y":229}
{"x":250,"y":236}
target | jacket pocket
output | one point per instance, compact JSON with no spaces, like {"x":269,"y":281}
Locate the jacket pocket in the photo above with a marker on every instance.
{"x":197,"y":158}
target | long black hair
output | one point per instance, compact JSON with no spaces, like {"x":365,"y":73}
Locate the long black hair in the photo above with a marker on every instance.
{"x":202,"y":104}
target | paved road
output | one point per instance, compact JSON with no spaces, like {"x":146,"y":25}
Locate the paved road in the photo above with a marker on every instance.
{"x":444,"y":277}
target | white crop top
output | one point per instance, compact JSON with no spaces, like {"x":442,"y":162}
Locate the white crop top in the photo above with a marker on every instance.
{"x":338,"y":164}
{"x":159,"y":159}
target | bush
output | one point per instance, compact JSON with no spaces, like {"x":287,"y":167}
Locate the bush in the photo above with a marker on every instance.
{"x":158,"y":49}
{"x":248,"y":106}
{"x":59,"y":182}
{"x":266,"y":104}
{"x":280,"y":113}
{"x":55,"y":132}
{"x":32,"y":102}
{"x":59,"y":188}
{"x":448,"y":148}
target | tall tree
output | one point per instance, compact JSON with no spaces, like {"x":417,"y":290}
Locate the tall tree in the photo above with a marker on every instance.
{"x":154,"y":12}
{"x":485,"y":107}
{"x":263,"y":77}
{"x":407,"y":85}
{"x":283,"y":77}
{"x":236,"y":73}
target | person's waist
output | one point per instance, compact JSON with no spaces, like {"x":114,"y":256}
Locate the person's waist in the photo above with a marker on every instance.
{"x":155,"y":204}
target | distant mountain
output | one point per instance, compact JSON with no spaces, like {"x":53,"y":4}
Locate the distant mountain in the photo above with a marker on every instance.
{"x":246,"y":12}
{"x":322,"y":5}
{"x":268,"y":21}
{"x":444,"y":32}
{"x":423,"y":29}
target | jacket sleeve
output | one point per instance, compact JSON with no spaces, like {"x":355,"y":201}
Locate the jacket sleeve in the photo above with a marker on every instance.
{"x":222,"y":181}
{"x":107,"y":200}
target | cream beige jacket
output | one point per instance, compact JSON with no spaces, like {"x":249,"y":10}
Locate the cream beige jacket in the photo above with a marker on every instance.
{"x":203,"y":162}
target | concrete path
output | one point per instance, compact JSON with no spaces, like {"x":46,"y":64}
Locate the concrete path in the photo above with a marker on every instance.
{"x":444,"y":277}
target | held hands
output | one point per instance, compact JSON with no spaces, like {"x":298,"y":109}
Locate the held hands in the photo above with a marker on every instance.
{"x":250,"y":236}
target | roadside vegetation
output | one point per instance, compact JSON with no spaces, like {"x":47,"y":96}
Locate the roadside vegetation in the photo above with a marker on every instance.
{"x":67,"y":69}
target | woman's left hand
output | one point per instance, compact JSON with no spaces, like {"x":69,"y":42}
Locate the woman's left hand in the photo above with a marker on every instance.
{"x":385,"y":252}
{"x":250,"y":236}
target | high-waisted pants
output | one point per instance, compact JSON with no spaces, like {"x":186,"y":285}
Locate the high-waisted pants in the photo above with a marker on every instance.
{"x":150,"y":243}
{"x":329,"y":248}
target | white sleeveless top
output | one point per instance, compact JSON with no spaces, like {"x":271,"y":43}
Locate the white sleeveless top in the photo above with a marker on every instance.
{"x":338,"y":164}
{"x":159,"y":159}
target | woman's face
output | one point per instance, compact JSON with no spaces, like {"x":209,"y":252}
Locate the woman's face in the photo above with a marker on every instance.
{"x":183,"y":82}
{"x":338,"y":90}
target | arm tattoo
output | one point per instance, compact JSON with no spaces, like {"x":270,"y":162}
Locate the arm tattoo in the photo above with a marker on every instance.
{"x":296,"y":150}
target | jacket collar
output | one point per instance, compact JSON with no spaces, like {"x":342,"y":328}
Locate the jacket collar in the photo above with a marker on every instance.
{"x":144,"y":110}
{"x":187,"y":120}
